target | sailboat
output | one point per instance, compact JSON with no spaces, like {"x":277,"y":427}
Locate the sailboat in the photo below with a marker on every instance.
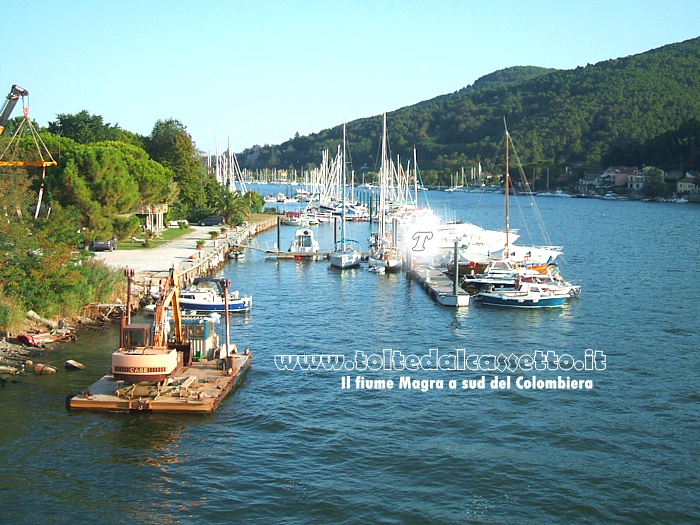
{"x":523,"y":294}
{"x":384,"y":253}
{"x":346,"y":253}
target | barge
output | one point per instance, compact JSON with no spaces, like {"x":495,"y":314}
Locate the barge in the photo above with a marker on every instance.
{"x":172,"y":365}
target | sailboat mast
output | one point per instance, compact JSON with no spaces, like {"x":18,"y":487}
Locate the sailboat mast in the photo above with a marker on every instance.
{"x":507,"y":250}
{"x":342,"y":213}
{"x":415,"y":176}
{"x":382,"y":183}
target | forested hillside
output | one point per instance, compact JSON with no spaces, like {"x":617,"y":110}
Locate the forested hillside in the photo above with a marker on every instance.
{"x":614,"y":112}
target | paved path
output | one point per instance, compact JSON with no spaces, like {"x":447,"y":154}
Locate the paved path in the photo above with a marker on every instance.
{"x":162,"y":258}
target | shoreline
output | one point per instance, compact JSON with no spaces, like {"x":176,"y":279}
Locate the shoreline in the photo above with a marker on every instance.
{"x":150,"y":266}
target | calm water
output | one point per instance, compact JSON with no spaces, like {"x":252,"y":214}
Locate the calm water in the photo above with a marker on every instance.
{"x":294,"y":447}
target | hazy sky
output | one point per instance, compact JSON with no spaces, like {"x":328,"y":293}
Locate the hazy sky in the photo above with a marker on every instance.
{"x":256,"y":72}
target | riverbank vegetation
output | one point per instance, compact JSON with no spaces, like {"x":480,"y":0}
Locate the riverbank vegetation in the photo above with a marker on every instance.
{"x":103,"y":179}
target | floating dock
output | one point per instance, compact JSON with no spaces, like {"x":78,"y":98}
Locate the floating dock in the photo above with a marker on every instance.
{"x":440,"y":286}
{"x":314,"y":256}
{"x":198,"y":388}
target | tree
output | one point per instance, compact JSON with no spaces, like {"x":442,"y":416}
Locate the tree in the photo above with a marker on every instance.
{"x":84,"y":128}
{"x":234,"y":206}
{"x":171,"y":145}
{"x":96,"y":180}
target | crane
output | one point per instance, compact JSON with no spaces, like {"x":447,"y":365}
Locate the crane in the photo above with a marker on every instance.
{"x":15,"y":92}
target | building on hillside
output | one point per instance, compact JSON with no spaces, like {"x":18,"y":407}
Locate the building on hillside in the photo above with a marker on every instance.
{"x":618,"y":176}
{"x":635,"y":181}
{"x":589,"y":184}
{"x":686,"y":186}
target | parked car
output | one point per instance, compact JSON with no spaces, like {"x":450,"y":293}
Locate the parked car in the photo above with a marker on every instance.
{"x":101,"y":246}
{"x":212,"y":220}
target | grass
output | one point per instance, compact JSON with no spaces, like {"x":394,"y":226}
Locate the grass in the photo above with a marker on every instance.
{"x":167,"y":235}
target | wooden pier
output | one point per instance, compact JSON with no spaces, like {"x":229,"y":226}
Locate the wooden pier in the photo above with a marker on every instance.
{"x":440,"y":286}
{"x":199,"y":388}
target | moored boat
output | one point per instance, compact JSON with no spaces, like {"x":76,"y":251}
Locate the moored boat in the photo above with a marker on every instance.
{"x":304,"y":242}
{"x":207,"y":294}
{"x":525,"y":296}
{"x":155,"y":371}
{"x":346,"y":253}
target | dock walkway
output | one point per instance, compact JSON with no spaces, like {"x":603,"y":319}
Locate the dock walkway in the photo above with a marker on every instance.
{"x":151,"y":265}
{"x":439,"y":286}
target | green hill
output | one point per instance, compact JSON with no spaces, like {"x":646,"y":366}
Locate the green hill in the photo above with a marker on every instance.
{"x":606,"y":113}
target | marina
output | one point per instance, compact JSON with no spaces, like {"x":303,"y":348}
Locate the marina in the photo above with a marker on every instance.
{"x":581,"y":444}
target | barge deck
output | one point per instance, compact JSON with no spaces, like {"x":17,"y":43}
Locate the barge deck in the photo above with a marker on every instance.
{"x":199,"y":388}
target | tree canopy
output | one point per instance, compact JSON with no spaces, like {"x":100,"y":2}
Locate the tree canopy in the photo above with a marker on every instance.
{"x":602,"y":113}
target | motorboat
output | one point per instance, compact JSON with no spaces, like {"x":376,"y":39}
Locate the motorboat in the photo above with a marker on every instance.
{"x":304,"y":242}
{"x":524,"y":295}
{"x":207,"y":294}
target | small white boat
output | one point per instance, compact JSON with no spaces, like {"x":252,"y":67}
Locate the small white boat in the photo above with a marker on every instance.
{"x":304,"y":242}
{"x":207,"y":294}
{"x":346,"y":254}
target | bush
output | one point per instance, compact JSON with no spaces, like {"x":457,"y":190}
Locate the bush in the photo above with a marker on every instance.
{"x":11,"y":314}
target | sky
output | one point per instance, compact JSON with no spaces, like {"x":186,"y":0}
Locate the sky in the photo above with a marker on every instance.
{"x":258,"y":71}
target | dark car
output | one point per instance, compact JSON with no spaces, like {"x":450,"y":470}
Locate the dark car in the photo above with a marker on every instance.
{"x":101,"y":246}
{"x":212,"y":220}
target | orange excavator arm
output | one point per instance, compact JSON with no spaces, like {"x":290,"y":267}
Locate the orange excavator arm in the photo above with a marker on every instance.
{"x":170,"y":296}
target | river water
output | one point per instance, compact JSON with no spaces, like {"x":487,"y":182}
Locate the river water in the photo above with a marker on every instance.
{"x":295,"y":447}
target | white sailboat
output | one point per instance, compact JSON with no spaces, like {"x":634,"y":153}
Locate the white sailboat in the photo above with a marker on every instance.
{"x":384,"y":253}
{"x":346,"y":253}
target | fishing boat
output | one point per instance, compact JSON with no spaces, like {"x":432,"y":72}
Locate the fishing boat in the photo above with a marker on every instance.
{"x":524,"y":296}
{"x":207,"y":294}
{"x":346,"y":253}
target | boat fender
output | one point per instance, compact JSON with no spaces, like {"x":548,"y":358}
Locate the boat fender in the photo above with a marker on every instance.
{"x":68,"y":398}
{"x":472,"y":264}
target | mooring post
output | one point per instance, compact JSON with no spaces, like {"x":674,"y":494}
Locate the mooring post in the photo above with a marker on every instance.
{"x":455,"y":283}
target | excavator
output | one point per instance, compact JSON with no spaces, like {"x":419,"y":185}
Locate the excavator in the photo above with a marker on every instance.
{"x":15,"y":92}
{"x":145,"y":354}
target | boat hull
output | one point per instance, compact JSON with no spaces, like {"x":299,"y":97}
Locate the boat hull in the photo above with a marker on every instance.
{"x":516,"y":300}
{"x":344,"y":261}
{"x":239,"y":305}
